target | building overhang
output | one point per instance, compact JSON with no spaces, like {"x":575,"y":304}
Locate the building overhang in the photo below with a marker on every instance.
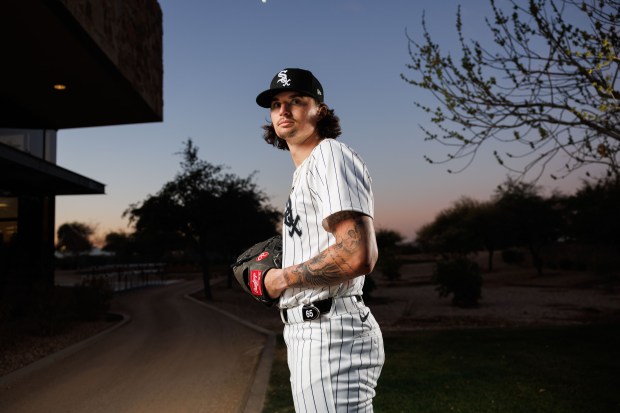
{"x":107,"y":56}
{"x":22,"y":173}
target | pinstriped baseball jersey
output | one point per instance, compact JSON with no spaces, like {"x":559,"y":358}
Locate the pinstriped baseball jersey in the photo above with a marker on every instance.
{"x":332,"y":179}
{"x":335,"y":360}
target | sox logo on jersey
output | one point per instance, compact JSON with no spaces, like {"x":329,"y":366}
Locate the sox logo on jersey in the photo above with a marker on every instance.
{"x":290,"y":222}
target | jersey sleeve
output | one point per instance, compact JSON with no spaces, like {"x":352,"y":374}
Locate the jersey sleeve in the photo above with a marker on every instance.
{"x":342,"y":181}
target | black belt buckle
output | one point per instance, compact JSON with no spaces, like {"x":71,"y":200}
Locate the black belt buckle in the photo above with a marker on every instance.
{"x":310,"y":312}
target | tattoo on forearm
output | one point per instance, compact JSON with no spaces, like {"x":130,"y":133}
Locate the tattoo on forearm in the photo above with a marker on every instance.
{"x":332,"y":265}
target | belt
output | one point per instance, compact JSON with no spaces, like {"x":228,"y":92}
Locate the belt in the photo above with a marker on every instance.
{"x":314,"y":310}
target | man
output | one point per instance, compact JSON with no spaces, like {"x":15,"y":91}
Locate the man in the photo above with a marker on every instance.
{"x":335,"y":346}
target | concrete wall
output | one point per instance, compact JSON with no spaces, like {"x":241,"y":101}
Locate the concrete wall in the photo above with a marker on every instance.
{"x":131,"y":35}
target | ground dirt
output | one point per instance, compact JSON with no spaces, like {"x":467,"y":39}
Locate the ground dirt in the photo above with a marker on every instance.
{"x":512,"y":296}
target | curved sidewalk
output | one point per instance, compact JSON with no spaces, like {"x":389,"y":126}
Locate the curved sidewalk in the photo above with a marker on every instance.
{"x":167,"y":355}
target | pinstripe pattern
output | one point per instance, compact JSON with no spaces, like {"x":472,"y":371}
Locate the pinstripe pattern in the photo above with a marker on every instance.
{"x":332,"y":179}
{"x":335,"y":360}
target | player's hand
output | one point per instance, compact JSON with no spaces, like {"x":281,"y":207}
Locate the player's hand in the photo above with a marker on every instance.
{"x":275,"y":282}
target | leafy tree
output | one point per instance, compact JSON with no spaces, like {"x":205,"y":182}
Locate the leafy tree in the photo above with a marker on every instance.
{"x":74,"y":238}
{"x":454,"y":236}
{"x":156,"y":221}
{"x":487,"y":225}
{"x":460,"y":277}
{"x":594,"y":224}
{"x":452,"y":232}
{"x":214,"y":214}
{"x":467,"y":226}
{"x":529,"y":219}
{"x":387,"y":243}
{"x":594,"y":213}
{"x":547,"y":88}
{"x":121,"y":244}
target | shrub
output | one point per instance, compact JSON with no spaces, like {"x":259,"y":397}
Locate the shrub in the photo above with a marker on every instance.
{"x":461,"y":278}
{"x":389,"y":265}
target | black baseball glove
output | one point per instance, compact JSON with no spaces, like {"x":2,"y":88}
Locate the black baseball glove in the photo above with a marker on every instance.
{"x":253,"y":264}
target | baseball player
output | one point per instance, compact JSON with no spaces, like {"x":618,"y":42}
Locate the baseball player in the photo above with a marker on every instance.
{"x":334,"y":345}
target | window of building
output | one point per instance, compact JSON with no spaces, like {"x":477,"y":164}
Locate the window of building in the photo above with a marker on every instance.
{"x":37,"y":142}
{"x":8,"y":218}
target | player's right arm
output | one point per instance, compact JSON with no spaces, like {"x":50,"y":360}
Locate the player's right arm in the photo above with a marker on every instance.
{"x":353,"y":254}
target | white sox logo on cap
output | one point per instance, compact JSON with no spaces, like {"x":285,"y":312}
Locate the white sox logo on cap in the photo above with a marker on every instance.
{"x":282,"y":78}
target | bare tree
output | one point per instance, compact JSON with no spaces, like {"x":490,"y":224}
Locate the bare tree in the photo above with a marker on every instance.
{"x":547,"y":89}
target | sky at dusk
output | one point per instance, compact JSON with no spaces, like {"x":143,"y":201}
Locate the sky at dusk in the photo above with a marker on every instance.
{"x":218,"y":55}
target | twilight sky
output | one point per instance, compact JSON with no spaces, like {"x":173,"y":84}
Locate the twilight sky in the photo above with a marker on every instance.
{"x":218,"y":55}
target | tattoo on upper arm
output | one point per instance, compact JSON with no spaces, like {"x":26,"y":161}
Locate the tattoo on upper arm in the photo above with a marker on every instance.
{"x":333,"y":264}
{"x":334,"y":219}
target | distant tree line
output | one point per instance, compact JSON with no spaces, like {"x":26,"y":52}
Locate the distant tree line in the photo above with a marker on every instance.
{"x":578,"y":232}
{"x":205,"y":216}
{"x":519,"y":217}
{"x":213,"y":224}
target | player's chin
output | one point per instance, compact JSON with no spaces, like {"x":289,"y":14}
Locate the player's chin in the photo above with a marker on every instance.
{"x":286,"y":136}
{"x":286,"y":132}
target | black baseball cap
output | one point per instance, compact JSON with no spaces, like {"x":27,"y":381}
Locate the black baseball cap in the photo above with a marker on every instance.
{"x":299,"y":80}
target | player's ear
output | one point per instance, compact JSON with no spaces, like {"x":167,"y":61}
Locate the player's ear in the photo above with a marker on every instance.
{"x":321,"y":111}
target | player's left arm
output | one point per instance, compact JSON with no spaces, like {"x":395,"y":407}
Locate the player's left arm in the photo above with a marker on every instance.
{"x":353,"y":254}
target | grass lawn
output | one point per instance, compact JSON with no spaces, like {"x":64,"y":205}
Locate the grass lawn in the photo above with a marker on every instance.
{"x":545,"y":370}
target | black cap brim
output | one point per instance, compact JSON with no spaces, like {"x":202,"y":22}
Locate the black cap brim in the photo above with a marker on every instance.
{"x":265,"y":98}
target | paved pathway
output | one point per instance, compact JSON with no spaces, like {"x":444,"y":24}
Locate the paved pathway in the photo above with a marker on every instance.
{"x":173,"y":356}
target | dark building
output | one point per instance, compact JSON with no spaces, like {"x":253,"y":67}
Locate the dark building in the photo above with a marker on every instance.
{"x":64,"y":64}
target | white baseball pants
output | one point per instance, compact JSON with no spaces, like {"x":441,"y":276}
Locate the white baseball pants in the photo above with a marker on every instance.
{"x":335,"y":360}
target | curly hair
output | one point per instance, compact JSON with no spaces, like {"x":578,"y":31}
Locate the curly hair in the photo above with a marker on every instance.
{"x":328,"y":127}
